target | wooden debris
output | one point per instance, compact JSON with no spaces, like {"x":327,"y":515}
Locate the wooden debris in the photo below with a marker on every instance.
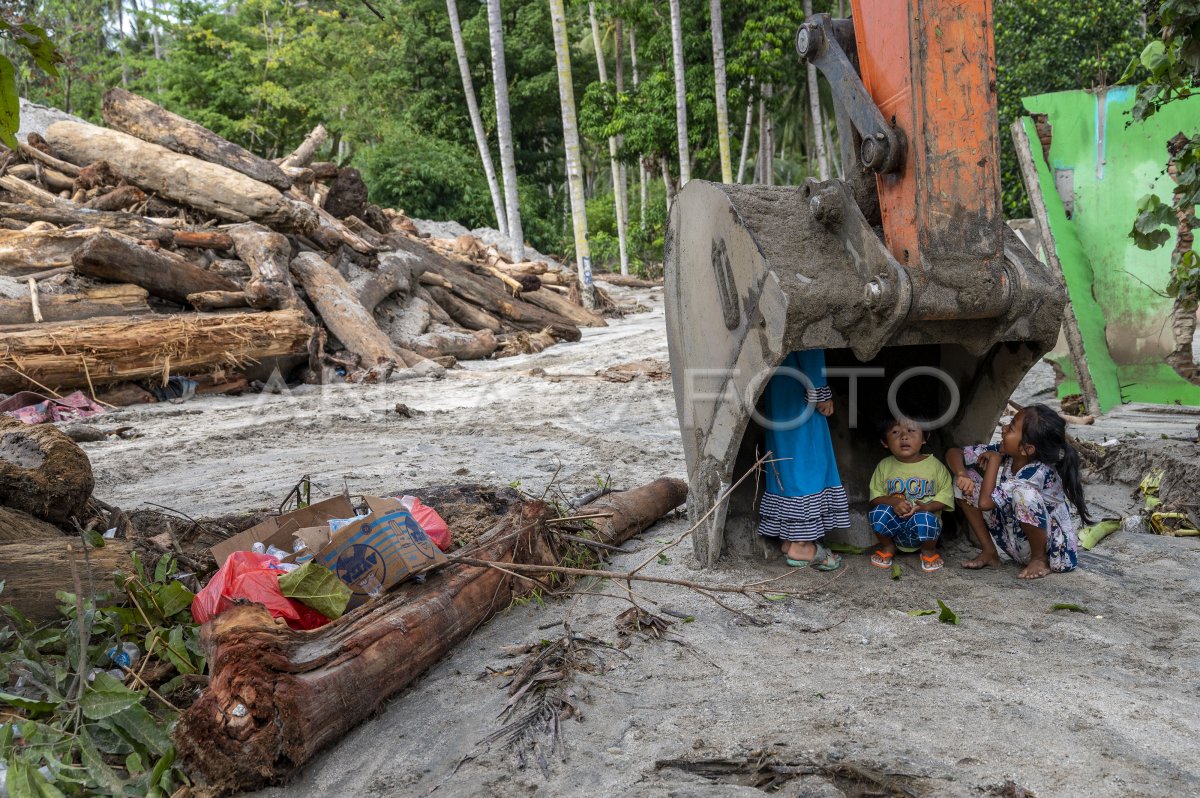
{"x":36,"y":569}
{"x":119,"y":258}
{"x":42,"y":471}
{"x":111,"y":350}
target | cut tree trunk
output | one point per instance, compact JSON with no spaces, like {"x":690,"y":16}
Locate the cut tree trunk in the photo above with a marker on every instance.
{"x":627,"y":281}
{"x":267,"y":253}
{"x":33,"y":571}
{"x":50,"y":178}
{"x":64,"y":213}
{"x":302,"y":691}
{"x":137,"y":116}
{"x":308,"y":148}
{"x":118,"y":199}
{"x":345,"y":316}
{"x":120,"y":259}
{"x":71,"y":307}
{"x":204,"y":239}
{"x":478,"y":345}
{"x":19,"y":527}
{"x":107,"y":351}
{"x":396,"y":274}
{"x":560,"y":305}
{"x":491,"y":295}
{"x":26,"y":191}
{"x":202,"y":185}
{"x":218,"y":300}
{"x":42,"y":471}
{"x":24,"y":252}
{"x":464,"y":313}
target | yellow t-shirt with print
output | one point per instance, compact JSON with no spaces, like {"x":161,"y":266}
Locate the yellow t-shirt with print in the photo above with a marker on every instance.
{"x":921,"y":482}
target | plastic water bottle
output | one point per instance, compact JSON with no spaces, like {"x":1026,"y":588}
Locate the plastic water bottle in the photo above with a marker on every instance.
{"x":125,"y":655}
{"x":259,"y":547}
{"x":276,"y":552}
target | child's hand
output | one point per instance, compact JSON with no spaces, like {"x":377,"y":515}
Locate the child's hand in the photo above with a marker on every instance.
{"x":965,"y":484}
{"x":904,"y":508}
{"x":825,"y":408}
{"x":989,"y":460}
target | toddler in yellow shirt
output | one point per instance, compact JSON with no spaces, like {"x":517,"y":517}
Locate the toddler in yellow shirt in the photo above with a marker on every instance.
{"x":909,"y":491}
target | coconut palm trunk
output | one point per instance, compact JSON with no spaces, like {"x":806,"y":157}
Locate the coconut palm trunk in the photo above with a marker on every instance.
{"x":566,"y":94}
{"x":623,"y":190}
{"x":680,"y":94}
{"x":485,"y":152}
{"x":814,"y":104}
{"x":741,"y":174}
{"x":508,"y":162}
{"x":622,"y":244}
{"x":641,"y":157}
{"x":718,"y":43}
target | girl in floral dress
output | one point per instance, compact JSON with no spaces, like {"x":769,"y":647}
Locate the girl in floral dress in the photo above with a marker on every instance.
{"x":1019,"y":494}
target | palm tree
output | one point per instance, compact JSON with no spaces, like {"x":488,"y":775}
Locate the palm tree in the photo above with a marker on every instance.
{"x":485,"y":152}
{"x":680,"y":94}
{"x":718,"y":43}
{"x":566,"y":94}
{"x":741,"y":173}
{"x":641,"y":157}
{"x":814,"y":104}
{"x":612,"y":147}
{"x":508,"y":163}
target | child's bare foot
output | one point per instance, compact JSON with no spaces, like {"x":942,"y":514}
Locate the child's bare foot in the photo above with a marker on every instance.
{"x":1035,"y":570}
{"x":982,"y":561}
{"x":800,"y":550}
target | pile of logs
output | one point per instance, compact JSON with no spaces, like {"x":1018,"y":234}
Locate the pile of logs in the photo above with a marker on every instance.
{"x":153,"y":247}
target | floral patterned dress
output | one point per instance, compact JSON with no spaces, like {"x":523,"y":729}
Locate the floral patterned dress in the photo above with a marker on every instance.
{"x":1033,"y":495}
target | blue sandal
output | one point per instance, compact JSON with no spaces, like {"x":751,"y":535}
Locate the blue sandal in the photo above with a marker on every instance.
{"x":823,"y":560}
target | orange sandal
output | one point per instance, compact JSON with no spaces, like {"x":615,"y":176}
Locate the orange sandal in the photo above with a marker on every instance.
{"x":882,"y":559}
{"x":931,"y":562}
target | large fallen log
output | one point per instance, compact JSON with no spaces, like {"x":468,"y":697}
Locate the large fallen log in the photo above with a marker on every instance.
{"x":206,"y":186}
{"x":276,"y":697}
{"x":63,"y":214}
{"x":71,"y":307}
{"x":267,"y":253}
{"x":34,"y":570}
{"x":491,"y":295}
{"x":19,"y":527}
{"x":42,"y":471}
{"x":477,"y":345}
{"x":464,"y":313}
{"x":548,"y":300}
{"x":27,"y":251}
{"x":347,"y":319}
{"x":106,"y":351}
{"x":137,"y":116}
{"x":120,"y":259}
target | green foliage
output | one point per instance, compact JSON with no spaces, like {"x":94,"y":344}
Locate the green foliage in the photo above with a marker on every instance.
{"x":38,"y":47}
{"x":1169,"y":69}
{"x":1055,"y":45}
{"x":73,"y":728}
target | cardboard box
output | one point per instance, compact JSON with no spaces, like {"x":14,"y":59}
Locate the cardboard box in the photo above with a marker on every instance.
{"x":372,"y":553}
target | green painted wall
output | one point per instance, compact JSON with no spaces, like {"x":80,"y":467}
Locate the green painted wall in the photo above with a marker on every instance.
{"x":1116,"y":289}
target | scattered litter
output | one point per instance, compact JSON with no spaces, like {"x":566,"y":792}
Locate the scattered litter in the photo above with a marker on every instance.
{"x":34,"y":408}
{"x":240,"y":711}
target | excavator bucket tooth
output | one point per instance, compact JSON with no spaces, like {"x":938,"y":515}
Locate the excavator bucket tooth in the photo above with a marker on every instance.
{"x":755,"y":272}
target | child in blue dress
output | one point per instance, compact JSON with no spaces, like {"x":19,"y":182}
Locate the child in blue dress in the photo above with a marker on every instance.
{"x":803,"y":498}
{"x":1019,"y":494}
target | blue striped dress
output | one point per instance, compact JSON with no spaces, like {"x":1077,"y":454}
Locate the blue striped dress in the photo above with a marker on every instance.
{"x":803,"y":497}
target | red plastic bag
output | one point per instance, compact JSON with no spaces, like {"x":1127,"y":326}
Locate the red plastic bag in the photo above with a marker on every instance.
{"x":251,"y":576}
{"x":431,"y":523}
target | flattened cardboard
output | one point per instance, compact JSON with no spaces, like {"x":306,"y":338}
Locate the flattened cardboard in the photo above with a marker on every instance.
{"x":384,"y":548}
{"x":279,"y":530}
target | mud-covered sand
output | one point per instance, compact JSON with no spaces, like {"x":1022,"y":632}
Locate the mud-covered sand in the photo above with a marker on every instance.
{"x":1103,"y":702}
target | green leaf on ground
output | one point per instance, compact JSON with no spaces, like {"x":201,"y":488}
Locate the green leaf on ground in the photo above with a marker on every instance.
{"x":107,"y":696}
{"x":1069,"y":608}
{"x":27,"y":704}
{"x":895,"y":570}
{"x":846,"y":548}
{"x":775,"y":596}
{"x":316,"y":586}
{"x":173,"y":597}
{"x":919,"y":613}
{"x":946,"y":615}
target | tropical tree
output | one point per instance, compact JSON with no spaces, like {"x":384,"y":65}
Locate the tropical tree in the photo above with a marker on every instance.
{"x":508,"y":162}
{"x":680,"y":97}
{"x":481,"y":142}
{"x":718,"y":43}
{"x":566,"y":91}
{"x":814,"y":104}
{"x":612,"y":147}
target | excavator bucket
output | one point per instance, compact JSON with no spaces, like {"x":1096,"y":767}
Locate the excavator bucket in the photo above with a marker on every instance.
{"x":903,"y":272}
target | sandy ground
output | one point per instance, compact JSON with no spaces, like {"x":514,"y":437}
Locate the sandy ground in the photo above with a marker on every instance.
{"x":1103,"y":702}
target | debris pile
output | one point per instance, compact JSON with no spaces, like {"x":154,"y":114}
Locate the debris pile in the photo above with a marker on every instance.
{"x":153,"y":247}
